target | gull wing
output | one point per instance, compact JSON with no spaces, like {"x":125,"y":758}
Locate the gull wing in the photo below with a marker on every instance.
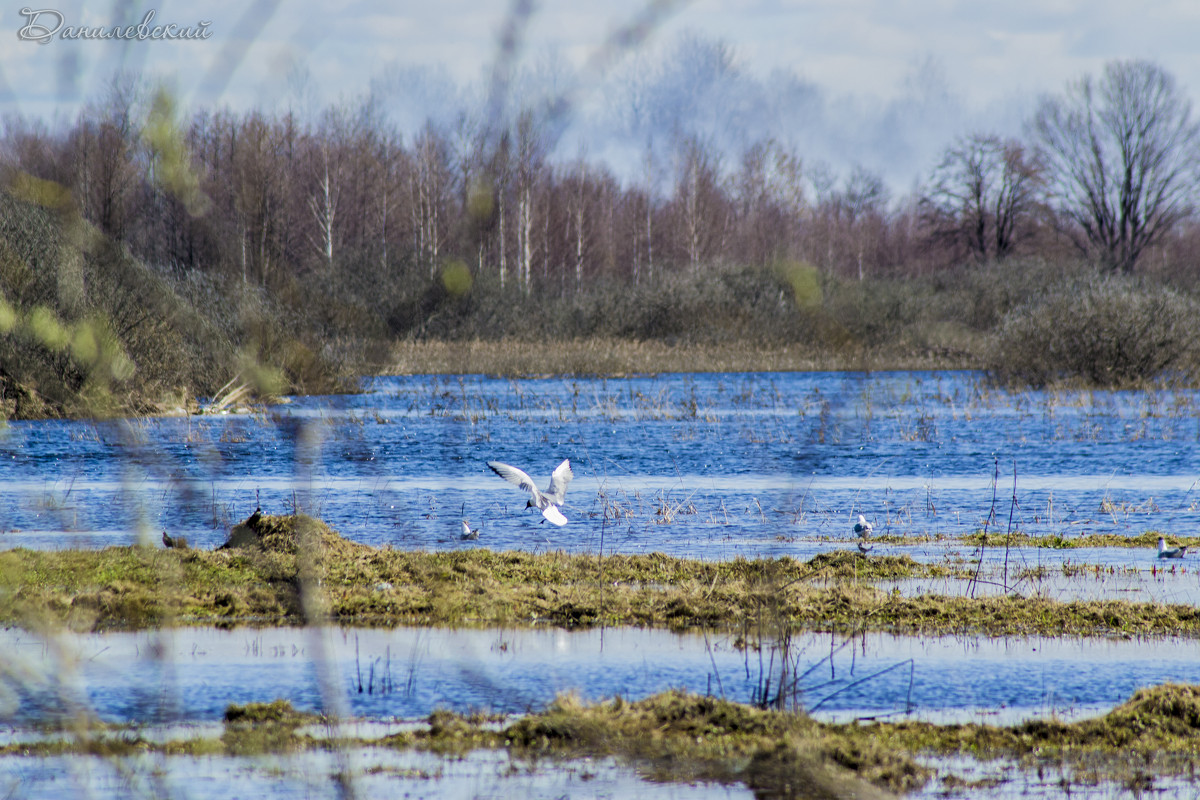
{"x":554,"y":515}
{"x":466,"y":528}
{"x":559,"y":479}
{"x":514,"y":475}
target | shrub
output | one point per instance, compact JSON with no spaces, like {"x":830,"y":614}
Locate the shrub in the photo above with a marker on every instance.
{"x":1097,"y":331}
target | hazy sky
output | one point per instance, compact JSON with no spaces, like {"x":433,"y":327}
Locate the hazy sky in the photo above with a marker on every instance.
{"x":862,"y":57}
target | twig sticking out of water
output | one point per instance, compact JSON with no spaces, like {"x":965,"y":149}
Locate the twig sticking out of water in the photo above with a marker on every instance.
{"x":1008,"y":535}
{"x":713,"y":660}
{"x":872,"y":676}
{"x":983,"y":540}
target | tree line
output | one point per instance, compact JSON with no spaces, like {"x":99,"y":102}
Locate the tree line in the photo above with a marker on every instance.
{"x":148,"y":252}
{"x":1108,"y":169}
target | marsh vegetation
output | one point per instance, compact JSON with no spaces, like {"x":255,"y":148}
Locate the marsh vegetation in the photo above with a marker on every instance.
{"x":153,"y":264}
{"x":259,"y":580}
{"x":716,"y":505}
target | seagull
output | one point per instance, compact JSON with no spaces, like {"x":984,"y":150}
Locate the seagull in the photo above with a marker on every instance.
{"x":547,"y":501}
{"x":862,"y":527}
{"x":1175,"y":552}
{"x":467,"y":533}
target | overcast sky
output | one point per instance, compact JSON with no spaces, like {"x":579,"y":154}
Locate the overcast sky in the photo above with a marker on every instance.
{"x":866,"y":60}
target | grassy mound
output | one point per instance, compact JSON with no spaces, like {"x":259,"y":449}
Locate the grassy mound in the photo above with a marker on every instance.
{"x":290,"y":534}
{"x":1158,"y":719}
{"x":686,"y":737}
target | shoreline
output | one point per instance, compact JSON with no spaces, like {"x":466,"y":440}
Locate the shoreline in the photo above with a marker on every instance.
{"x":623,"y":357}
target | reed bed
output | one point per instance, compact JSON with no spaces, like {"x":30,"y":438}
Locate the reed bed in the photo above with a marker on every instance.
{"x":613,"y":356}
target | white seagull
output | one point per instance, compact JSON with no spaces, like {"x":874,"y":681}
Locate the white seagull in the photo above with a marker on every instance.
{"x":547,"y":501}
{"x":467,"y":533}
{"x":1175,"y":552}
{"x":862,"y":527}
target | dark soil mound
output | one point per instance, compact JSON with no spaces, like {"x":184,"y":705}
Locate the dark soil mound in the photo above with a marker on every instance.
{"x":287,"y":534}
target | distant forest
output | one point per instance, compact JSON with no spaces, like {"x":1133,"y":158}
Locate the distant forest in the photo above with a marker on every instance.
{"x":347,"y":234}
{"x":264,"y":196}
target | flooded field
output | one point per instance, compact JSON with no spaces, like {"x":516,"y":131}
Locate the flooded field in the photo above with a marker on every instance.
{"x":711,"y":467}
{"x":390,"y":676}
{"x":481,"y":774}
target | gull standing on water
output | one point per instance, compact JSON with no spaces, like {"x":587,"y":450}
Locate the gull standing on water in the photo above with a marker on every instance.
{"x":467,"y":533}
{"x":862,"y":527}
{"x":547,"y":501}
{"x":1174,"y":552}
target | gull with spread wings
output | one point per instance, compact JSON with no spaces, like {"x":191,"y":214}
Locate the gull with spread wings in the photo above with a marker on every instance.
{"x":548,"y":501}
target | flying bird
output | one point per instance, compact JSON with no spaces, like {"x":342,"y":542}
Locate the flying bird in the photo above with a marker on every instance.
{"x":1174,"y":552}
{"x":862,"y":527}
{"x":548,"y":501}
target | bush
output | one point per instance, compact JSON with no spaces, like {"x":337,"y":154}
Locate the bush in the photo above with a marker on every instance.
{"x":1109,"y":332}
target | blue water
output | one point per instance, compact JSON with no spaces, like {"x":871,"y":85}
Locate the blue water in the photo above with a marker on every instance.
{"x":703,"y":465}
{"x":709,"y":466}
{"x":194,"y":674}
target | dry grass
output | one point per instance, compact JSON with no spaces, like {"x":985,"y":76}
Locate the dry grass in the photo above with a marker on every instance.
{"x":605,"y":356}
{"x":684,"y":737}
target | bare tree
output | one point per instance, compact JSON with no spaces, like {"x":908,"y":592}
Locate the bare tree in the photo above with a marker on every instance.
{"x":389,"y":155}
{"x":649,"y":176}
{"x":258,"y":194}
{"x":864,"y":200}
{"x":323,"y":202}
{"x":530,"y":156}
{"x":982,"y":194}
{"x":825,"y":213}
{"x":769,"y":195}
{"x":1122,"y":156}
{"x":698,"y":200}
{"x":431,"y":187}
{"x":578,"y":183}
{"x":103,"y":149}
{"x":500,"y":169}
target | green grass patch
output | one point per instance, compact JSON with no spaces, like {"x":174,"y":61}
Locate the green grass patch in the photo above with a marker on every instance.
{"x":1157,"y":730}
{"x":682,"y":737}
{"x":294,"y":567}
{"x":1149,"y":539}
